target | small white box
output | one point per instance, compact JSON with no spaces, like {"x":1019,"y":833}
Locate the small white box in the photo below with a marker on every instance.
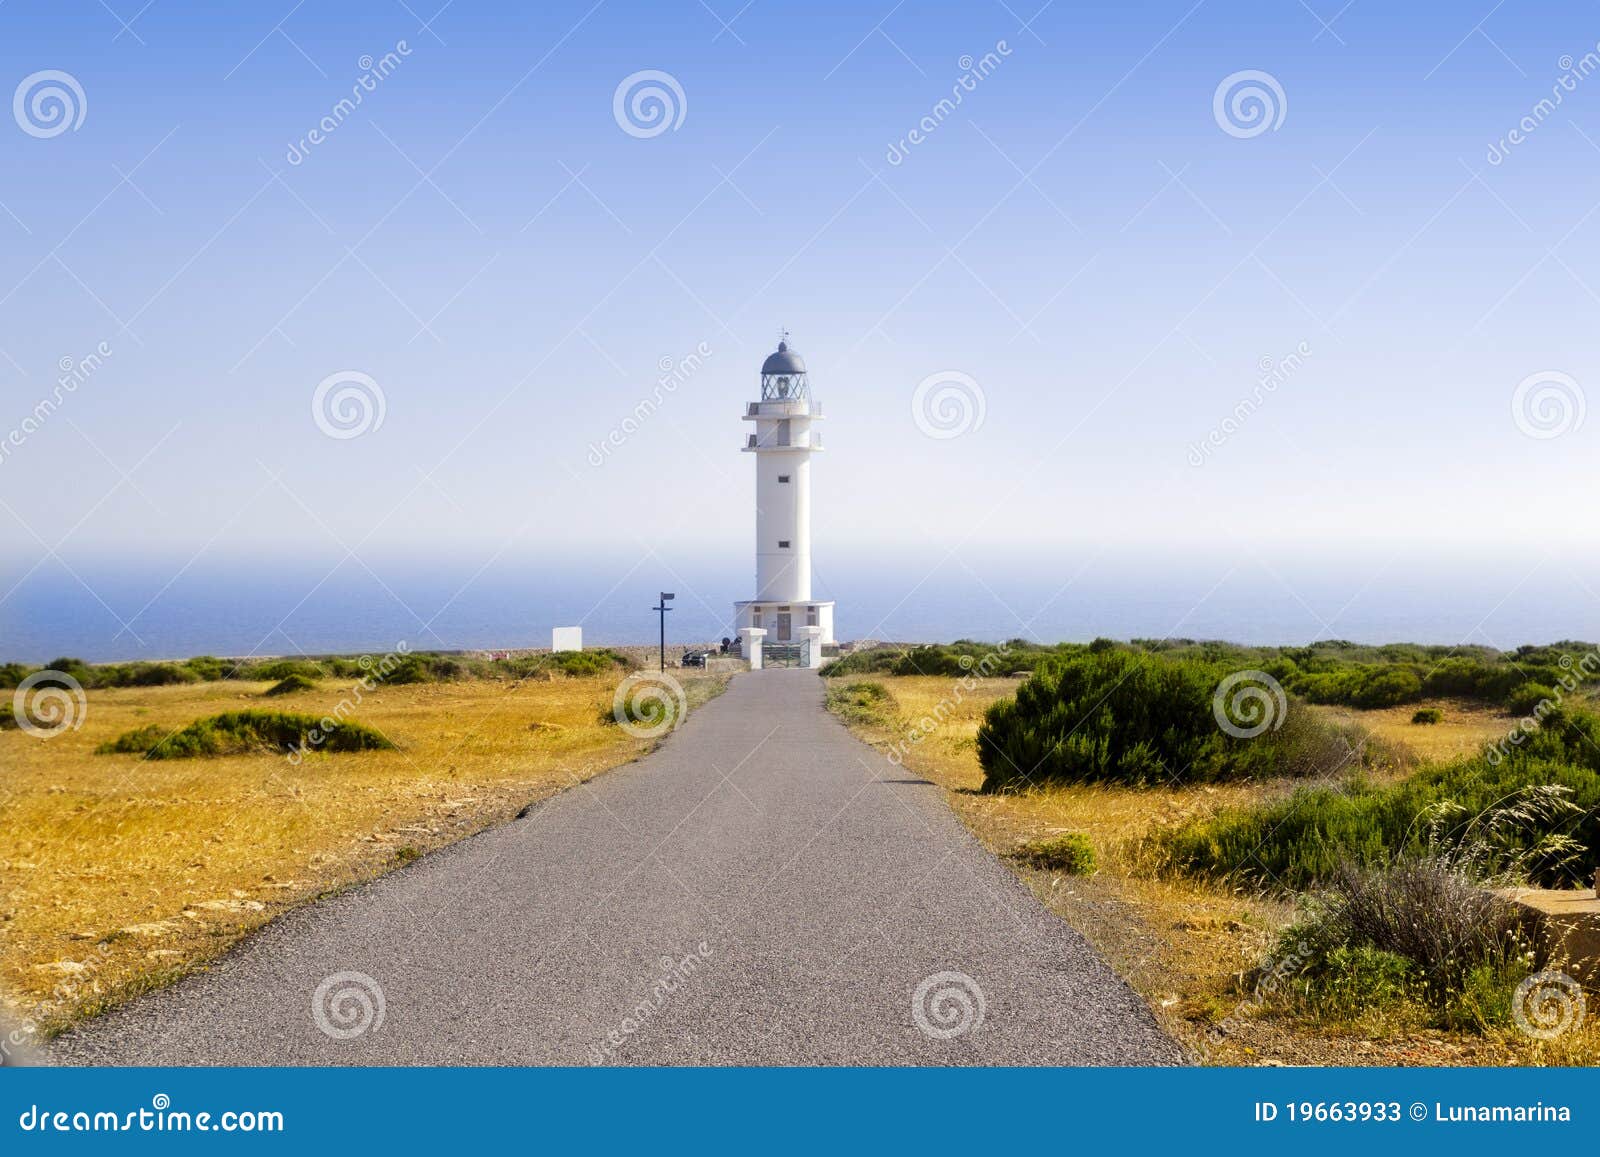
{"x":566,"y":639}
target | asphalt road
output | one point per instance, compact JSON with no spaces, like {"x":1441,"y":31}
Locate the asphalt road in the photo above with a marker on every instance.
{"x":763,"y":889}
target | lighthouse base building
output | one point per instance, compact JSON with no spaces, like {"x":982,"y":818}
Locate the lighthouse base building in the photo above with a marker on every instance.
{"x":783,"y":623}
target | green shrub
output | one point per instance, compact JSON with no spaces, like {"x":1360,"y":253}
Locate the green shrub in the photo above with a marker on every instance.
{"x":1071,"y":853}
{"x":1526,"y":698}
{"x":1427,"y":715}
{"x":581,"y":664}
{"x":862,"y":703}
{"x":1352,"y":980}
{"x":650,"y":708}
{"x":1422,"y":930}
{"x":1542,"y":800}
{"x":1126,"y":717}
{"x":135,"y":742}
{"x":955,"y":660}
{"x":283,"y":668}
{"x":243,"y":732}
{"x":290,"y":685}
{"x":1388,"y":688}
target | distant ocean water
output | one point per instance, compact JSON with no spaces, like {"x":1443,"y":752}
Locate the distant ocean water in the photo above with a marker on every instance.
{"x":112,"y":611}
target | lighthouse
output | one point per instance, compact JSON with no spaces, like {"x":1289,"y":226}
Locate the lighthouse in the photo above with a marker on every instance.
{"x":783,"y":624}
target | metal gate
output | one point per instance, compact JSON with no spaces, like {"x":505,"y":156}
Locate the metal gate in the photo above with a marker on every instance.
{"x":786,"y":654}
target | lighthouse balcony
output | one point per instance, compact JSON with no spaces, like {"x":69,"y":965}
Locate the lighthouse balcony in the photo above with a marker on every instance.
{"x":783,"y":408}
{"x":810,"y":440}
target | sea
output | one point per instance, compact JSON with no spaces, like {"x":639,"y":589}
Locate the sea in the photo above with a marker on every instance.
{"x":114,"y":609}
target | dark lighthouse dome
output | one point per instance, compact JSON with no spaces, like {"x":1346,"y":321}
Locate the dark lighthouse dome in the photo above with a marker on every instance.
{"x":785,"y":361}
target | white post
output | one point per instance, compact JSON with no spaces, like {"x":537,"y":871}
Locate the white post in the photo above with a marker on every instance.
{"x":752,"y":637}
{"x":813,"y":645}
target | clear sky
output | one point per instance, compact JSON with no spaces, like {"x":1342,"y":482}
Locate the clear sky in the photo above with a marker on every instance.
{"x":1107,"y":259}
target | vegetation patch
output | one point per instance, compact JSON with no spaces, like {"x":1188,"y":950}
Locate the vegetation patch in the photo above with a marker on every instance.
{"x":1428,"y":715}
{"x":1544,"y":797}
{"x":393,"y":669}
{"x":1332,"y":672}
{"x":864,"y":702}
{"x":1071,"y":853}
{"x":1424,"y":934}
{"x":290,"y":685}
{"x":244,"y":732}
{"x":1118,"y":716}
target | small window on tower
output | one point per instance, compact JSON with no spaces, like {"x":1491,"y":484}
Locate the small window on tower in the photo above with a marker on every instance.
{"x":783,"y":478}
{"x":783,"y":544}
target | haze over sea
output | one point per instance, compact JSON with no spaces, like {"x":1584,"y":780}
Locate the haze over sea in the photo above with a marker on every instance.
{"x":286,"y":605}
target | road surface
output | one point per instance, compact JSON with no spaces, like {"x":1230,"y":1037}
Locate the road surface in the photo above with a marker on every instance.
{"x":763,"y":889}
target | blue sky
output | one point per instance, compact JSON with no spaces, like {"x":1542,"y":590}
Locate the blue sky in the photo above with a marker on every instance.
{"x":1081,"y":239}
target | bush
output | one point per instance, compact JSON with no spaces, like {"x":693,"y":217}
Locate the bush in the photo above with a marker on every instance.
{"x":583,"y":664}
{"x":863,"y":702}
{"x":647,"y":706}
{"x":1124,"y":717}
{"x":291,"y":685}
{"x":1071,"y":853}
{"x":1429,"y":910}
{"x":283,"y":668}
{"x":963,"y":657}
{"x":1427,"y":715}
{"x":1537,"y":809}
{"x":1424,"y":930}
{"x":1388,"y":688}
{"x":1525,"y":699}
{"x":244,"y":732}
{"x":1351,"y":980}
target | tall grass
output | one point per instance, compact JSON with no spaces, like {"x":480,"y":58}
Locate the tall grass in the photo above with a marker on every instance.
{"x":1305,"y":838}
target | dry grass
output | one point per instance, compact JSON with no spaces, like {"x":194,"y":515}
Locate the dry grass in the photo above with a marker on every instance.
{"x":121,"y":873}
{"x":1465,"y":728}
{"x":1182,"y":944}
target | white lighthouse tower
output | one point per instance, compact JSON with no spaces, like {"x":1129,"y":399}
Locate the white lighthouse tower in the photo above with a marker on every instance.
{"x":783,"y":623}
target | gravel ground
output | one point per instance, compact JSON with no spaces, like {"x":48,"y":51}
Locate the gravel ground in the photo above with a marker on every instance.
{"x":763,"y":889}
